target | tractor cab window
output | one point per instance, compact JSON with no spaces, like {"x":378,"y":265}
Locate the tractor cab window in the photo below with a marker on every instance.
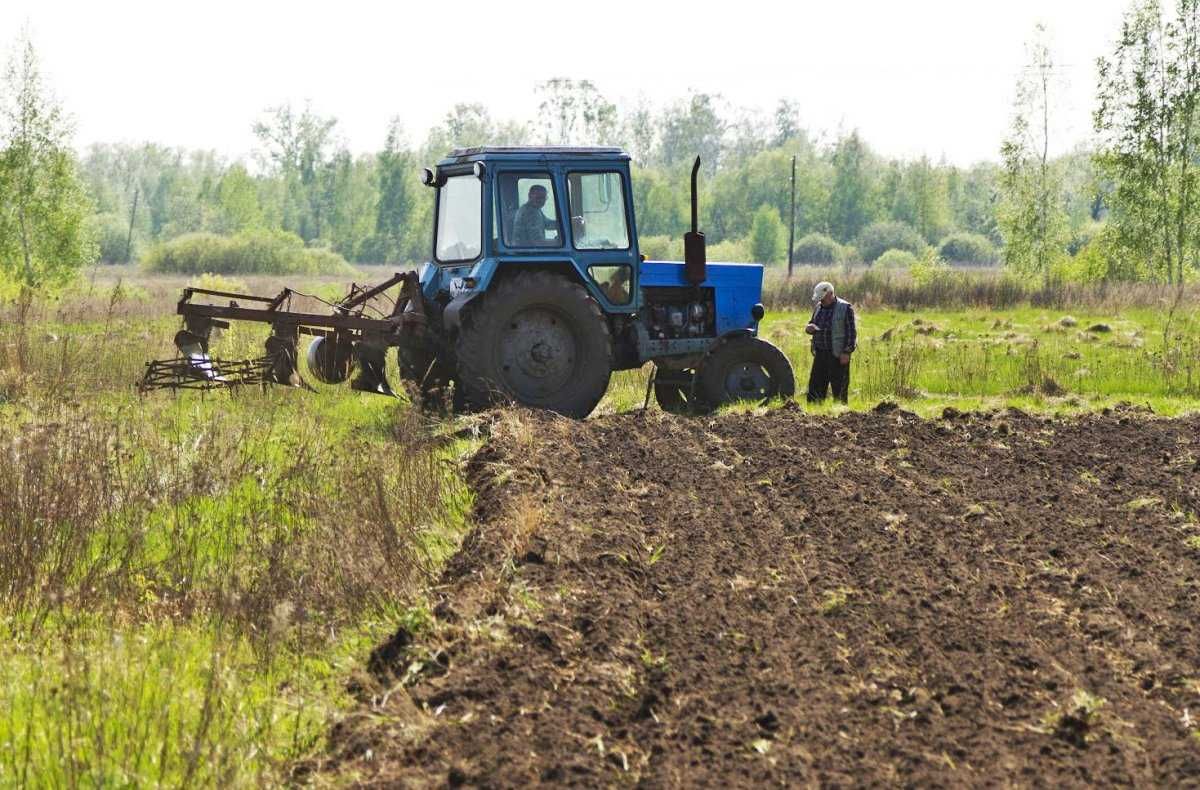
{"x":460,"y":219}
{"x":527,"y":210}
{"x":613,"y":281}
{"x":598,"y":211}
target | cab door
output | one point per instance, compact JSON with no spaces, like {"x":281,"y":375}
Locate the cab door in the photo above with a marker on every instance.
{"x":602,"y":234}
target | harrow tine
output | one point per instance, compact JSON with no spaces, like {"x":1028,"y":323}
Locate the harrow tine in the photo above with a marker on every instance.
{"x":182,"y":373}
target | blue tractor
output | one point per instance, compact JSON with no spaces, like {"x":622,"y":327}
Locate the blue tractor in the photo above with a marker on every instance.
{"x":536,"y":293}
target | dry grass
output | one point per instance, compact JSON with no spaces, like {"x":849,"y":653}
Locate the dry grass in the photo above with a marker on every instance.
{"x":200,"y":573}
{"x":989,"y":288}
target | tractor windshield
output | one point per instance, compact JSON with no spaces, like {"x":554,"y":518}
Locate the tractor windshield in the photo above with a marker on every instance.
{"x":459,"y":219}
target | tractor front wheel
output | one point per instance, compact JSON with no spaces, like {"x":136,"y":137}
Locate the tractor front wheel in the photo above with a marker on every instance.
{"x":746,"y":369}
{"x":539,"y":339}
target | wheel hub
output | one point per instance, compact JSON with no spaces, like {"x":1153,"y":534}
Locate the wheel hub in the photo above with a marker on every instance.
{"x":748,"y":381}
{"x":537,"y":352}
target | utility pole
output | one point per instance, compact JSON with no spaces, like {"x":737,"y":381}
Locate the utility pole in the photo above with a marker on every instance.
{"x":792,"y":224}
{"x":132,"y":216}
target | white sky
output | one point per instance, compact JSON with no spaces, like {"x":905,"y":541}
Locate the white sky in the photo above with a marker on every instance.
{"x":933,"y":77}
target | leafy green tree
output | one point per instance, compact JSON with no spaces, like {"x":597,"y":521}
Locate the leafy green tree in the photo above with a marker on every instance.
{"x":45,"y":231}
{"x":573,"y":112}
{"x":1030,"y":215}
{"x":467,"y":125}
{"x":238,"y":197}
{"x":691,"y":128}
{"x":921,"y":199}
{"x":299,"y":147}
{"x":749,"y":134}
{"x":850,"y":197}
{"x":1147,"y":123}
{"x":397,"y":187}
{"x":639,"y":133}
{"x":768,"y":236}
{"x":662,"y":209}
{"x":738,"y":191}
{"x":787,"y":123}
{"x":973,"y":194}
{"x":352,"y":196}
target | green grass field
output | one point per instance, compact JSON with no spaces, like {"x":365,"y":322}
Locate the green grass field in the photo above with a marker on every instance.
{"x":192,"y":581}
{"x":1029,"y":358}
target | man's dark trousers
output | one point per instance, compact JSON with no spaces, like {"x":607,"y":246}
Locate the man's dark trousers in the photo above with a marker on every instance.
{"x":828,"y":372}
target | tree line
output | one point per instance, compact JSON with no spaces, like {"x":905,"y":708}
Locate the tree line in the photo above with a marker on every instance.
{"x":1120,"y":209}
{"x":372,"y":208}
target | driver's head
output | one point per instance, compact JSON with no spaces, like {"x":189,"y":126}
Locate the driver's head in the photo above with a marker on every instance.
{"x":537,"y":195}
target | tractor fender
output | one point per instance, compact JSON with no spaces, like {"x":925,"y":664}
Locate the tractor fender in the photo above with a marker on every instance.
{"x":452,"y":315}
{"x":728,"y":337}
{"x":733,"y":334}
{"x":486,"y":277}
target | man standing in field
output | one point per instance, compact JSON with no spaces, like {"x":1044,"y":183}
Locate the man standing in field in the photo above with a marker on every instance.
{"x":834,"y":337}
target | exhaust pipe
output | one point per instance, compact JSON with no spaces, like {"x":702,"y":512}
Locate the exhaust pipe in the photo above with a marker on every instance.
{"x":695,"y":262}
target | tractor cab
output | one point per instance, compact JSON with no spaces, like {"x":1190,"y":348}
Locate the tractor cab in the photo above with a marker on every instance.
{"x":568,"y":210}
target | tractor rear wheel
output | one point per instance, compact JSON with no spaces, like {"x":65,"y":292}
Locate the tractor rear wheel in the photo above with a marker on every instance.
{"x":539,"y":339}
{"x":746,"y":369}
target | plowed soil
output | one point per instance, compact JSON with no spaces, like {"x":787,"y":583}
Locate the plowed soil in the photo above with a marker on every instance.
{"x":782,"y":599}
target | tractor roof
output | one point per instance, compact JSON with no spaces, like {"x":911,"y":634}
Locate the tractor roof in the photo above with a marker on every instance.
{"x":531,"y":153}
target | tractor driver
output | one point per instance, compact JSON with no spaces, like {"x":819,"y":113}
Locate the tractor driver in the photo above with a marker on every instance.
{"x":616,"y":287}
{"x":530,"y":225}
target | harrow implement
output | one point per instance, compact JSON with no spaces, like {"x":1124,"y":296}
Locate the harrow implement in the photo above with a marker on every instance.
{"x":346,"y":340}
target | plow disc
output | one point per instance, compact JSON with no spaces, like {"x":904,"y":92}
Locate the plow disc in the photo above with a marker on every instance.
{"x":346,"y":340}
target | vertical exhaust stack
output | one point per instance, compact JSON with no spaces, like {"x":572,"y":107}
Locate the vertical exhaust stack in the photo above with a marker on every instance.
{"x":695,"y":262}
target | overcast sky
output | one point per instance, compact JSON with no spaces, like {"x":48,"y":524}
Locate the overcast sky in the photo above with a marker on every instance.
{"x":932,"y":77}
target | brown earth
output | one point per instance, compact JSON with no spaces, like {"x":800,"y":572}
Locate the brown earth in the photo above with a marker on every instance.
{"x":783,"y":599}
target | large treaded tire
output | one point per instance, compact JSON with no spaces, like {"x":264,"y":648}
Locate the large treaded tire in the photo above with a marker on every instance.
{"x":746,"y":369}
{"x":536,"y":338}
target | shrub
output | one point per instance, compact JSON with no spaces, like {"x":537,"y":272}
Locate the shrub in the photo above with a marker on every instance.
{"x":729,"y":251}
{"x":931,"y":271}
{"x":970,"y":248}
{"x":255,"y":251}
{"x":112,"y":234}
{"x":661,"y":248}
{"x":879,"y":237}
{"x":895,"y":260}
{"x":817,"y":248}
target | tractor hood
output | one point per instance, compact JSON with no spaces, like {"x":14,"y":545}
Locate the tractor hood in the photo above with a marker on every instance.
{"x":737,"y":286}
